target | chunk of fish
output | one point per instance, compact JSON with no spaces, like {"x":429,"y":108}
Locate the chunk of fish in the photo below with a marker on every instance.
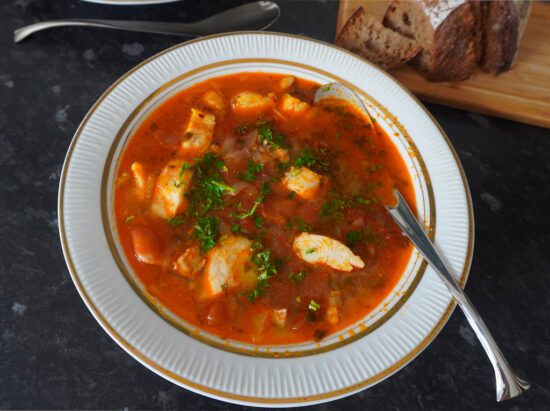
{"x":140,"y":179}
{"x":189,"y":263}
{"x":168,"y":197}
{"x":228,"y":265}
{"x":306,"y":183}
{"x":279,"y":317}
{"x":286,"y":82}
{"x":292,"y":106}
{"x":199,"y":133}
{"x":214,"y":100}
{"x":249,"y":103}
{"x":319,"y":249}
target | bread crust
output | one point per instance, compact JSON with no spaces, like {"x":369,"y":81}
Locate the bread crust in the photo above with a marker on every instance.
{"x":503,"y":25}
{"x":445,"y":29}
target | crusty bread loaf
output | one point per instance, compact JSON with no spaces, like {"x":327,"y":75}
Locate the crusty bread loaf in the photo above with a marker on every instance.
{"x":445,"y":29}
{"x":503,"y":24}
{"x":367,"y":37}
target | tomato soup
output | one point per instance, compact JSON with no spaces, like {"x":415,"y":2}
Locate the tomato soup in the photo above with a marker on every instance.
{"x":257,"y":215}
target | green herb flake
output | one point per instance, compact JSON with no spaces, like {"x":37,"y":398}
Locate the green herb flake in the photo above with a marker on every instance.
{"x":298,"y":300}
{"x":300,"y":224}
{"x":266,"y":267}
{"x":208,"y":186}
{"x":236,"y":228}
{"x":265,"y":189}
{"x":310,"y":251}
{"x":307,"y":158}
{"x":281,"y":167}
{"x":206,"y":231}
{"x":326,"y":88}
{"x":291,"y":195}
{"x":298,"y":277}
{"x":129,"y":218}
{"x":251,"y":173}
{"x":314,"y":306}
{"x":242,"y":129}
{"x":175,"y":221}
{"x":258,"y":221}
{"x":269,"y":137}
{"x":355,"y":237}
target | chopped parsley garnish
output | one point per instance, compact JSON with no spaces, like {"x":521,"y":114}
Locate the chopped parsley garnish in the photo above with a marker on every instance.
{"x":300,"y":224}
{"x":298,"y":277}
{"x":314,"y":306}
{"x":251,"y":173}
{"x":307,"y":158}
{"x":264,"y":191}
{"x":326,"y":88}
{"x":295,"y":172}
{"x":242,"y":129}
{"x":335,"y":207}
{"x":355,"y":237}
{"x":291,"y":195}
{"x":281,"y":167}
{"x":175,"y":221}
{"x":258,"y":221}
{"x":267,"y":136}
{"x":206,"y":231}
{"x":236,"y":228}
{"x":266,"y":267}
{"x":129,"y":218}
{"x":310,"y":251}
{"x":208,"y":185}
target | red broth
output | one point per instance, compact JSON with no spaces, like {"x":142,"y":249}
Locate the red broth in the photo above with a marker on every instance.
{"x":220,"y":249}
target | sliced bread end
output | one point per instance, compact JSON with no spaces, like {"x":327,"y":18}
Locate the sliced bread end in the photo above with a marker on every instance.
{"x":364,"y":35}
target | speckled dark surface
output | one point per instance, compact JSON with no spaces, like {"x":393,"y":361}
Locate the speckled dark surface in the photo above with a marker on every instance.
{"x":53,"y":354}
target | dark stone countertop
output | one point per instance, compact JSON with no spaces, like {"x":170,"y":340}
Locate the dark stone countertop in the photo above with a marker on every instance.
{"x":53,"y":354}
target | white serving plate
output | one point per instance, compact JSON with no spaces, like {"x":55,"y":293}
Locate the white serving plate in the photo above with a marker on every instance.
{"x":354,"y":359}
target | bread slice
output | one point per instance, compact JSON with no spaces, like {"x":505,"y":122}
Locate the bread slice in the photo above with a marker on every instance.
{"x":503,"y":24}
{"x":446,"y":31}
{"x":364,"y":35}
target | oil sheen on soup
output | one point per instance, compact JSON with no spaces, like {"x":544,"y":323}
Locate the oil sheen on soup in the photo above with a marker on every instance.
{"x":258,"y":216}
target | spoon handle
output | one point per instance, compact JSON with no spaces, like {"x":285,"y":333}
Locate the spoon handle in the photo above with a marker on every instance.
{"x":142,"y":26}
{"x":508,"y":384}
{"x":258,"y":15}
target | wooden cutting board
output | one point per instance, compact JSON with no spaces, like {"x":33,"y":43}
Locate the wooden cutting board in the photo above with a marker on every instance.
{"x":522,"y":94}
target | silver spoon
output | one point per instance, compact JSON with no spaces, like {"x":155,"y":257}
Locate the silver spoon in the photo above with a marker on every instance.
{"x":508,"y":384}
{"x":252,"y":16}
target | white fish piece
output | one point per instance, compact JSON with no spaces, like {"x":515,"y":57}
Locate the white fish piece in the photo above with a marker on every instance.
{"x":293,"y":106}
{"x":199,"y":133}
{"x":286,"y":82}
{"x":248,"y":102}
{"x":306,"y":183}
{"x":213,"y":100}
{"x":279,"y":317}
{"x":168,"y":197}
{"x":320,"y":249}
{"x":140,"y":179}
{"x":189,"y":263}
{"x":228,"y":265}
